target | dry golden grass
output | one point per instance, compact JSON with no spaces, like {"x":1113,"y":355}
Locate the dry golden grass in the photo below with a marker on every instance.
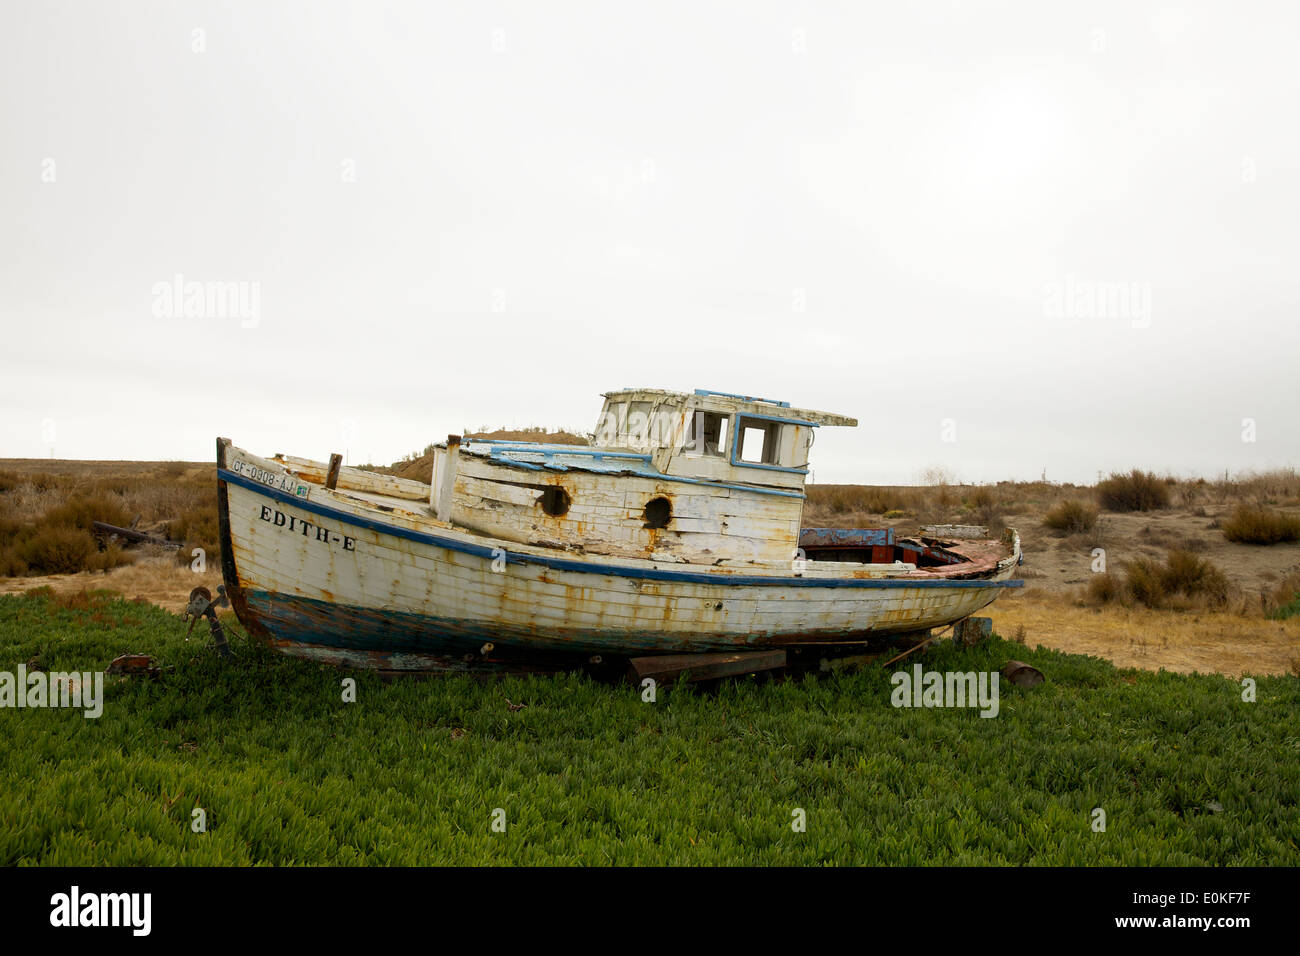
{"x":1208,"y":641}
{"x":153,"y":577}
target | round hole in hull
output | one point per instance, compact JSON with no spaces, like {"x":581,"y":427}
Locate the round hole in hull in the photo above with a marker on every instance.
{"x":658,"y":512}
{"x":555,"y":501}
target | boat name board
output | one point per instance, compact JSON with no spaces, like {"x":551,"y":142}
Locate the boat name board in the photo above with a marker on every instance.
{"x":279,"y":519}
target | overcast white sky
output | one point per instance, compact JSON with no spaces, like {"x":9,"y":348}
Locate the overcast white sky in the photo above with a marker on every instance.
{"x":1064,"y":236}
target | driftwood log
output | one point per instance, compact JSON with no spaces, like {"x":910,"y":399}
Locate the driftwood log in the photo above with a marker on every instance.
{"x":130,"y":534}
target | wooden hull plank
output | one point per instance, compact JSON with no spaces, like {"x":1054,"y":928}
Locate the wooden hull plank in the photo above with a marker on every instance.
{"x":666,"y":668}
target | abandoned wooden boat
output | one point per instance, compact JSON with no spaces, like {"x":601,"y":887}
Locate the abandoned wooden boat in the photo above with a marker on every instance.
{"x":677,"y":530}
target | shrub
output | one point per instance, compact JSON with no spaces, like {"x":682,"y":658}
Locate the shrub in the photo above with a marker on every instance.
{"x":1184,"y":577}
{"x":1187,"y":573}
{"x":57,"y":551}
{"x":111,"y":557}
{"x":986,"y":506}
{"x":42,"y":482}
{"x":881,"y":500}
{"x":1071,"y":517}
{"x":196,"y":528}
{"x":1258,"y":525}
{"x":1144,"y":582}
{"x":1284,"y":602}
{"x":1136,"y":491}
{"x":82,"y":512}
{"x":873,"y":499}
{"x":198,"y":524}
{"x":1106,"y":588}
{"x":11,"y":565}
{"x":10,"y":530}
{"x":1183,"y":580}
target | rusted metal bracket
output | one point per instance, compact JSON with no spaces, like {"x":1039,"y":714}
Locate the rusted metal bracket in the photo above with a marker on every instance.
{"x":202,"y":605}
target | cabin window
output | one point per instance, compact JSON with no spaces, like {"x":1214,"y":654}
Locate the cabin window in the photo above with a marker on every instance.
{"x":707,"y":434}
{"x":759,"y":441}
{"x":665,"y":429}
{"x":611,"y":424}
{"x":658,"y":512}
{"x":638,"y":425}
{"x":555,"y":501}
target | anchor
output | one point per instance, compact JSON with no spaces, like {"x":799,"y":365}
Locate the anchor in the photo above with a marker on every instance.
{"x":202,"y":605}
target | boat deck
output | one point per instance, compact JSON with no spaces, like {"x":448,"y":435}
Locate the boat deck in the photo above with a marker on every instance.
{"x":827,"y":550}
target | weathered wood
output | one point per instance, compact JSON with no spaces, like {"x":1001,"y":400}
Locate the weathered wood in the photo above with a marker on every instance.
{"x":137,"y":537}
{"x":332,"y":476}
{"x":697,"y":667}
{"x":352,"y":479}
{"x":606,"y":514}
{"x":533,"y":603}
{"x":954,"y":531}
{"x":846,"y":662}
{"x":972,"y":630}
{"x":925,"y":642}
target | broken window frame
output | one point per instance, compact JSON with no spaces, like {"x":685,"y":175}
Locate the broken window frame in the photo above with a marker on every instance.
{"x":774,"y":433}
{"x":699,"y":418}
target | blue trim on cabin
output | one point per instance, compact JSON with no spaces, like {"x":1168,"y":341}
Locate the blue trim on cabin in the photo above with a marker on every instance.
{"x":743,"y":398}
{"x":549,"y":450}
{"x":588,"y":567}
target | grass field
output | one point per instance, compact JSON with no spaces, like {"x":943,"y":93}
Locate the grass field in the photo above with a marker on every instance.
{"x":586,"y":773}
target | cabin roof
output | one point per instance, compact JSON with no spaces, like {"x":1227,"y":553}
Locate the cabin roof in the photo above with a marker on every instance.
{"x":731,"y":402}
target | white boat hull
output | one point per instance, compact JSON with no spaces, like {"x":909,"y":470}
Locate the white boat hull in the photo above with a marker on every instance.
{"x":327,"y":578}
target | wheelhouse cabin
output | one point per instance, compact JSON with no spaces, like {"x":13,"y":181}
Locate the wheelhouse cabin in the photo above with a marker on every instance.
{"x":703,"y":478}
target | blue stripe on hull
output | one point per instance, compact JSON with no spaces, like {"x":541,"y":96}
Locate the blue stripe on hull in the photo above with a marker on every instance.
{"x":308,"y":621}
{"x":300,"y":620}
{"x":383,"y":640}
